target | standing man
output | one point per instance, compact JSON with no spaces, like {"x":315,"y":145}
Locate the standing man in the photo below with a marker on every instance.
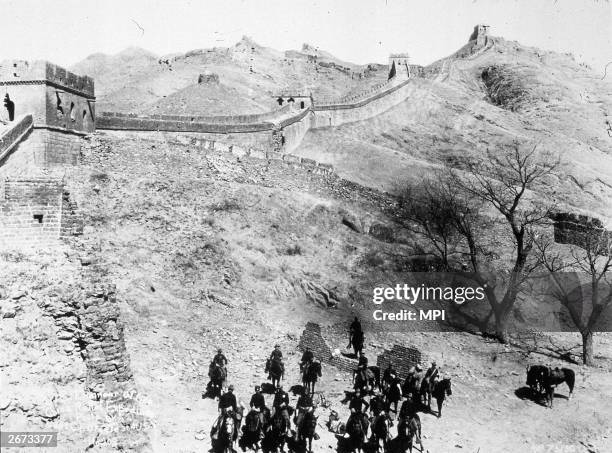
{"x":353,"y":329}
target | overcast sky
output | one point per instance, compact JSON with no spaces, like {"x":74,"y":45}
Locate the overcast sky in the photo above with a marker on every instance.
{"x":360,"y":31}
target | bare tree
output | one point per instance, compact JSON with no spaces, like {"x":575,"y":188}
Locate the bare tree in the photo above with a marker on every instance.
{"x":581,"y":281}
{"x":501,"y":181}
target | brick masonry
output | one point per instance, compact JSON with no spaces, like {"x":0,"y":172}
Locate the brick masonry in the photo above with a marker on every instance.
{"x":582,"y":231}
{"x":402,"y":357}
{"x":36,"y":211}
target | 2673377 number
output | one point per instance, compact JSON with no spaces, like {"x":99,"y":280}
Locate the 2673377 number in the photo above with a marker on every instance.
{"x":28,"y":439}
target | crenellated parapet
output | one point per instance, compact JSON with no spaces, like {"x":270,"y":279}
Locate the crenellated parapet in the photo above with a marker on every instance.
{"x":55,"y":97}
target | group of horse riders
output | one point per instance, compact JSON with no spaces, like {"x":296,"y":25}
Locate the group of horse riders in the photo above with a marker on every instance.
{"x":228,"y":403}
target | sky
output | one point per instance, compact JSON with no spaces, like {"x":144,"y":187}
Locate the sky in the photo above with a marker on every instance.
{"x":358,"y":31}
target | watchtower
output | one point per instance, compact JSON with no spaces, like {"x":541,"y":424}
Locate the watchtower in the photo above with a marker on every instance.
{"x":399,"y":65}
{"x":480,"y":34}
{"x":55,"y":97}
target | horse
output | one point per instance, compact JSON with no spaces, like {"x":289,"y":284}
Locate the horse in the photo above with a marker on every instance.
{"x":310,"y":375}
{"x":252,"y":431}
{"x":357,"y":341}
{"x":412,"y":387}
{"x":393,"y":395}
{"x":356,"y":433}
{"x":555,"y":377}
{"x":425,"y":391}
{"x":408,"y":431}
{"x":364,"y":380}
{"x":307,"y":429}
{"x":275,"y":370}
{"x":217,"y":375}
{"x":223,"y":434}
{"x":441,"y":390}
{"x":276,"y":433}
{"x":381,"y":429}
{"x":535,"y":378}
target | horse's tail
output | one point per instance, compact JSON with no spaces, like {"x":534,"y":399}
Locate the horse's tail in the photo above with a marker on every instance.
{"x":570,"y":378}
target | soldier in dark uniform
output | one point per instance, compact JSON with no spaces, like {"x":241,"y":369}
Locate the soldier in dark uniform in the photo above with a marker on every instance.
{"x":377,"y":406}
{"x":358,"y":407}
{"x":304,"y":405}
{"x":386,"y":378}
{"x":220,"y":359}
{"x":307,"y":358}
{"x":228,"y":401}
{"x":281,"y":403}
{"x":432,"y":373}
{"x":258,"y":402}
{"x":354,"y":329}
{"x":276,"y":353}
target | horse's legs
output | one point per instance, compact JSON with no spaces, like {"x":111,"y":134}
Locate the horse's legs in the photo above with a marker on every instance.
{"x":439,"y":407}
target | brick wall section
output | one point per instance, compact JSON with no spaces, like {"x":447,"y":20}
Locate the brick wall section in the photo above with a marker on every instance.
{"x":44,"y":148}
{"x":36,"y":211}
{"x":582,"y":231}
{"x":402,"y":358}
{"x":23,"y":201}
{"x":312,"y":338}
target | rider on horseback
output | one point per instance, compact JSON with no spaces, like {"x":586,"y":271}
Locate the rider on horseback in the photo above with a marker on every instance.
{"x":386,"y":379}
{"x":307,"y":359}
{"x":432,"y":373}
{"x":281,"y":404}
{"x":220,"y":359}
{"x":277,"y":356}
{"x":377,"y":406}
{"x":228,"y":401}
{"x":258,"y":402}
{"x":358,"y":407}
{"x":304,"y":405}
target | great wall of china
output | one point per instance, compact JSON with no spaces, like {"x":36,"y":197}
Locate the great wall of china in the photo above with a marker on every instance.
{"x":51,"y":110}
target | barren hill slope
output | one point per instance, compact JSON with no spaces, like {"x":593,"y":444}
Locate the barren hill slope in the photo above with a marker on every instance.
{"x":505,"y":93}
{"x":249,"y":74}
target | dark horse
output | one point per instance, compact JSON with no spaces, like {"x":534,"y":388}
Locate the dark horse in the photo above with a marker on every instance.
{"x":364,"y":380}
{"x":381,"y":429}
{"x":310,"y":375}
{"x":555,"y":377}
{"x":275,"y":370}
{"x":307,"y":430}
{"x":412,"y":388}
{"x":217,"y":375}
{"x":535,"y":378}
{"x":426,"y":390}
{"x":357,"y":342}
{"x":252,"y":431}
{"x":223,"y":434}
{"x":441,"y":390}
{"x":408,"y":433}
{"x":276,"y":434}
{"x":357,"y":433}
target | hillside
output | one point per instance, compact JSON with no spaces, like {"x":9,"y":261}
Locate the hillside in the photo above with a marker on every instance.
{"x":530,"y":95}
{"x":249,"y":74}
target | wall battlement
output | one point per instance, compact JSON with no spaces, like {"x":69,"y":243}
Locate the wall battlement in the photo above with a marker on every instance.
{"x":17,"y":72}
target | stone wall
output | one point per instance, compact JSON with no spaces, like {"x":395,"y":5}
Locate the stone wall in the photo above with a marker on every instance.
{"x":36,"y":211}
{"x":402,"y":358}
{"x":43,"y":149}
{"x":30,"y":211}
{"x":583,"y":231}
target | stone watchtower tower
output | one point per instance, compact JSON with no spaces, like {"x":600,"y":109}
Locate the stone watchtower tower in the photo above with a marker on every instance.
{"x":56,"y":98}
{"x":480,"y":34}
{"x":399,"y":65}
